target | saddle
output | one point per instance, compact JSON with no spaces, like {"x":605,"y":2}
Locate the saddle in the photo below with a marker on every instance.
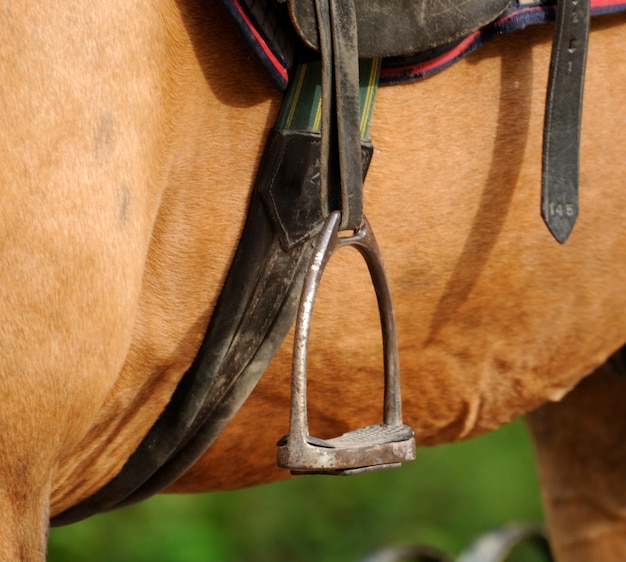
{"x":387,"y":28}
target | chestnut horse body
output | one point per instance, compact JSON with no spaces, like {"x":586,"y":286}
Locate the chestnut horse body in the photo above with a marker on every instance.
{"x":131,"y":133}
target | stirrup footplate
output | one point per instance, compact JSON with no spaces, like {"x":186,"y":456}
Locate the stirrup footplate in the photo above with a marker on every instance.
{"x":374,"y":447}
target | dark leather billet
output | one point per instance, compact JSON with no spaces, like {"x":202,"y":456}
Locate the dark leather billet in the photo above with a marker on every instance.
{"x":561,"y":136}
{"x":403,"y":27}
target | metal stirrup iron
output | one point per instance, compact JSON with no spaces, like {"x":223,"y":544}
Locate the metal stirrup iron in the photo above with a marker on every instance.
{"x":370,"y":448}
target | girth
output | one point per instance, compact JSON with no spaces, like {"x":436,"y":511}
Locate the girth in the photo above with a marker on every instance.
{"x":307,"y":180}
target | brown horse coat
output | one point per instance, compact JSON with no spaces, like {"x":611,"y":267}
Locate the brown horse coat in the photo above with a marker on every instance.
{"x":129,"y":146}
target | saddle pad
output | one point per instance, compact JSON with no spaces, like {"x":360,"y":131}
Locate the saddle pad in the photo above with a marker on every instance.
{"x":266,"y":28}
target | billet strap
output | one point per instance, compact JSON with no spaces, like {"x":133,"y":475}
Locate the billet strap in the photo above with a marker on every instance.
{"x":561,"y":141}
{"x":255,"y":309}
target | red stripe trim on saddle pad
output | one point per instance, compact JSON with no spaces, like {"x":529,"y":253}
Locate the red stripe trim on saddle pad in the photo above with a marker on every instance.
{"x":264,"y":25}
{"x":520,"y":15}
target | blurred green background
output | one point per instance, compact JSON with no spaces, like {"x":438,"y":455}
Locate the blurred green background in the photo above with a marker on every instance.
{"x":446,"y":498}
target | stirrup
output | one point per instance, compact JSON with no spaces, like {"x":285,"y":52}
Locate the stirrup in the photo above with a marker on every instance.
{"x":370,"y":448}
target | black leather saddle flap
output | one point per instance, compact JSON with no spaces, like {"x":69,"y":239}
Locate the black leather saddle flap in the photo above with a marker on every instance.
{"x":388,"y":28}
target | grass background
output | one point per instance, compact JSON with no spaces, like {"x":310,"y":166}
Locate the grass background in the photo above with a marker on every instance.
{"x":446,"y":498}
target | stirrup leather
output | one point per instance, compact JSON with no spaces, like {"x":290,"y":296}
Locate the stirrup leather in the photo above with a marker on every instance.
{"x":369,"y":448}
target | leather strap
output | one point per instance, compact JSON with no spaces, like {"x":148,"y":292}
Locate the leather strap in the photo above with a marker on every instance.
{"x":561,"y":142}
{"x":340,"y":163}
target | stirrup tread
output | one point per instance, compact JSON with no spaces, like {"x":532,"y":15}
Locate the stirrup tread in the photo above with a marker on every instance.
{"x":369,"y":435}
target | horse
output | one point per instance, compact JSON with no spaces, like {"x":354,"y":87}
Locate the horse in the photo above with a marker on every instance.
{"x":132,"y":133}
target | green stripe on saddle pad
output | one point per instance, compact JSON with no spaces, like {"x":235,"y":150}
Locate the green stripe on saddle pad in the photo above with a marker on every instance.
{"x":302,"y":106}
